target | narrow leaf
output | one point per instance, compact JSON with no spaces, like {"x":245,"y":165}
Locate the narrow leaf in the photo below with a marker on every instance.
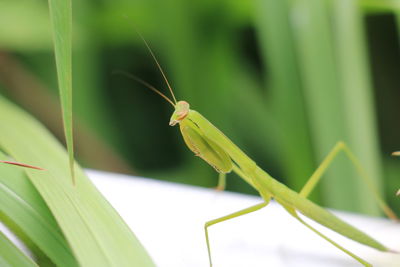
{"x":61,"y":17}
{"x":11,"y":256}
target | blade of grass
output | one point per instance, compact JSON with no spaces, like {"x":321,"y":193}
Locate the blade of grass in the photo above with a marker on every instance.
{"x":61,"y":18}
{"x":11,"y":256}
{"x":93,"y":229}
{"x":38,"y":255}
{"x":23,"y":205}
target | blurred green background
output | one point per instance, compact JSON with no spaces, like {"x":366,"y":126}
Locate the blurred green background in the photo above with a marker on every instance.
{"x":284,"y":79}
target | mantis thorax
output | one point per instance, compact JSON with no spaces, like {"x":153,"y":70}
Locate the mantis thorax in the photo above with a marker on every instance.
{"x":180,"y":113}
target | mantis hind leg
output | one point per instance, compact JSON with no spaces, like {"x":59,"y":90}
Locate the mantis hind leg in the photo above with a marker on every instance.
{"x":228,"y":217}
{"x":342,"y":147}
{"x":293,"y":212}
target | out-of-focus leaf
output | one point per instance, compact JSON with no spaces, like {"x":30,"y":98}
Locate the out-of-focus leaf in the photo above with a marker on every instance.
{"x":319,"y":74}
{"x":24,"y":25}
{"x":287,"y":98}
{"x":11,"y":256}
{"x":23,"y":205}
{"x":355,"y":83}
{"x":95,"y":232}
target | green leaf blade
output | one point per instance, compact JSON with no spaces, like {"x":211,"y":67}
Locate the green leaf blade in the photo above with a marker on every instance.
{"x":22,"y":204}
{"x":95,"y":232}
{"x":11,"y":255}
{"x":61,"y":17}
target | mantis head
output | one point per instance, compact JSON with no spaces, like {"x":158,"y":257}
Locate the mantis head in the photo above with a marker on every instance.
{"x":180,"y":113}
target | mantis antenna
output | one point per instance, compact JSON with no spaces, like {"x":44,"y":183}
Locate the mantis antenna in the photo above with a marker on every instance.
{"x":146,"y":84}
{"x":158,"y":65}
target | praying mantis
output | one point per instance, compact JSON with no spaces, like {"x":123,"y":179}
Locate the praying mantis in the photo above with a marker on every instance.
{"x":209,"y":143}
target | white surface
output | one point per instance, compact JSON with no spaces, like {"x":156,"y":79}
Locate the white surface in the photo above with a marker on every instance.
{"x":169,"y":221}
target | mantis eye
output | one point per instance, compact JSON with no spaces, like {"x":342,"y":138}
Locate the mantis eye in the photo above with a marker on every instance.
{"x":181,"y":115}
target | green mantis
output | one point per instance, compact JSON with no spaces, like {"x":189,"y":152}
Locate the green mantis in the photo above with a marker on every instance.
{"x":210,"y":144}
